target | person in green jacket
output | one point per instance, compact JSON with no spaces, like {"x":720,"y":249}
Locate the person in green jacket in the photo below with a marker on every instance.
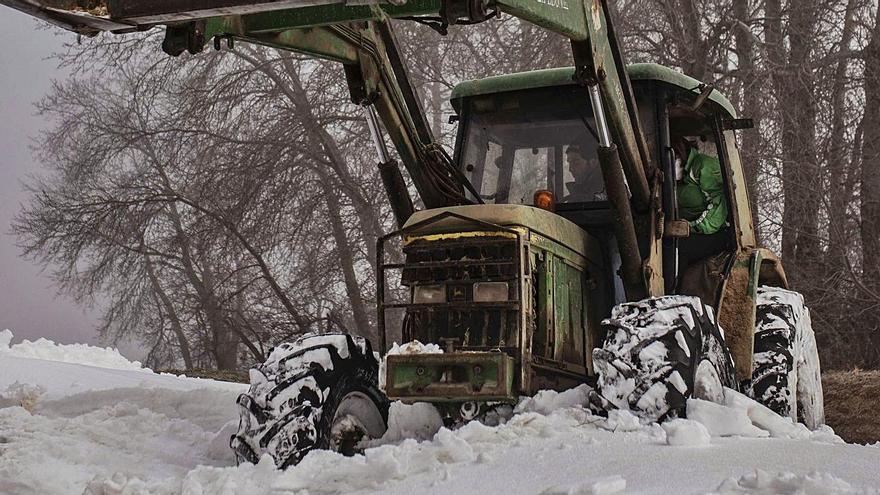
{"x":701,"y":198}
{"x":701,"y":201}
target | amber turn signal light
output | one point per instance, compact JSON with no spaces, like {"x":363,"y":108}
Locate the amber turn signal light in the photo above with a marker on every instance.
{"x":544,"y":200}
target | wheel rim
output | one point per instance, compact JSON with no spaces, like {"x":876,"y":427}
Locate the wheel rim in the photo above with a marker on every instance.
{"x":356,"y":419}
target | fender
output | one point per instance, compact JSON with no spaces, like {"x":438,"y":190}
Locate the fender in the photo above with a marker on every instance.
{"x":749,"y":268}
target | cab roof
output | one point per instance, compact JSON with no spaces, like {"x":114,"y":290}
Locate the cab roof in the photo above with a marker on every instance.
{"x":564,"y":76}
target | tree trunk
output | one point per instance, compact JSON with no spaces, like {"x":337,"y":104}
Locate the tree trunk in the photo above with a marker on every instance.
{"x":804,"y":169}
{"x":222,"y":343}
{"x":225,"y":341}
{"x":176,"y":326}
{"x":801,"y":181}
{"x":694,"y":49}
{"x":346,"y":258}
{"x":838,"y":154}
{"x":370,"y":226}
{"x":751,"y":89}
{"x":870,"y":174}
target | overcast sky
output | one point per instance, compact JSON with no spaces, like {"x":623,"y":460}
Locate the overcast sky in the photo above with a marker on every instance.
{"x":29,"y":305}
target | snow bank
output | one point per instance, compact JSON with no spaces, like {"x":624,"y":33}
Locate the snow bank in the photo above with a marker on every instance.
{"x":151,"y":434}
{"x":744,"y":417}
{"x":473,"y":444}
{"x":29,"y":380}
{"x":103,"y":431}
{"x":100,"y":357}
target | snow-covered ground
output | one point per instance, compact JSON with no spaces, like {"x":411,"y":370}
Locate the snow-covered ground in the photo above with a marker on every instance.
{"x":94,"y":423}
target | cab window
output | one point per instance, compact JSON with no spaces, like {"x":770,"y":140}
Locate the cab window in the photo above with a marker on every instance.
{"x":516,"y":143}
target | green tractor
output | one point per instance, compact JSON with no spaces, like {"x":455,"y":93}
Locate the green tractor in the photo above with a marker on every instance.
{"x":522,"y":298}
{"x":552,"y":250}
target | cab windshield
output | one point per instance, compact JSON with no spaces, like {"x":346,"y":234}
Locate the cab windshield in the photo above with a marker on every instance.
{"x":516,"y":143}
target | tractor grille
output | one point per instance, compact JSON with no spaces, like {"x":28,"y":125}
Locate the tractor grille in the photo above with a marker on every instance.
{"x":455,"y":266}
{"x":486,"y":259}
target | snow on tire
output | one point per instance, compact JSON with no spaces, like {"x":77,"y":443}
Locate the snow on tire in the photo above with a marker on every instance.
{"x":318,"y":392}
{"x":785,"y":367}
{"x":659,"y":352}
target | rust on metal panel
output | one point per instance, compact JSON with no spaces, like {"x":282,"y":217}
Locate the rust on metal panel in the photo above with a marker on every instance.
{"x":771,"y":271}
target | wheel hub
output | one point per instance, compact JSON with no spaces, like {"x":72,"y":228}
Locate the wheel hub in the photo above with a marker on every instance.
{"x":356,"y":419}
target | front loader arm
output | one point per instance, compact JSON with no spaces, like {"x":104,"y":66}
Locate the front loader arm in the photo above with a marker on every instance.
{"x":358,"y":34}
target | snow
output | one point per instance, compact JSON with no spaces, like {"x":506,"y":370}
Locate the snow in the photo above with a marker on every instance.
{"x":686,"y":433}
{"x":707,"y":383}
{"x":622,"y":420}
{"x":318,"y":341}
{"x":69,"y":353}
{"x":602,"y":486}
{"x":764,"y":418}
{"x":547,"y":401}
{"x":101,"y":431}
{"x":814,"y":483}
{"x":417,"y":421}
{"x":723,"y":421}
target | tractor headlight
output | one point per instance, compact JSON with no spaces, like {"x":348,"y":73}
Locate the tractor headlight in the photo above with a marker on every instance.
{"x":491,"y":291}
{"x":426,"y":294}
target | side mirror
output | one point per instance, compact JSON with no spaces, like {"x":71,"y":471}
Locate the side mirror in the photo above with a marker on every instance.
{"x":676,"y":229}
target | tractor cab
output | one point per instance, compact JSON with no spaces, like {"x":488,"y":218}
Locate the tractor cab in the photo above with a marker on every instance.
{"x":525,"y":133}
{"x":527,"y":136}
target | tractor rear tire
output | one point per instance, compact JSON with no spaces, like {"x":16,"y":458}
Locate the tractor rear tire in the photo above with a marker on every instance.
{"x":658,"y":353}
{"x":786,"y":376}
{"x":318,"y":392}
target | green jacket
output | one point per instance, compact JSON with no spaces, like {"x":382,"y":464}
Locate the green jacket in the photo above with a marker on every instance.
{"x":701,"y":198}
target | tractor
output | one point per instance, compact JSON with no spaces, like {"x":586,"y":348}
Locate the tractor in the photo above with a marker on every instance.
{"x":516,"y":279}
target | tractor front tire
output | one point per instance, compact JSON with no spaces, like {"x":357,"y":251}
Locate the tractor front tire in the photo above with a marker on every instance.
{"x":786,"y":376}
{"x":318,"y":392}
{"x":658,"y":353}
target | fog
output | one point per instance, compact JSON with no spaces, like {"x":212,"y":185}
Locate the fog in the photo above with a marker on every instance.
{"x":29,"y":304}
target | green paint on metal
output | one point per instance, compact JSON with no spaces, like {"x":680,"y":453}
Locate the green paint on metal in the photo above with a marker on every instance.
{"x":319,"y":42}
{"x":290,"y":29}
{"x":456,"y":377}
{"x":543,"y":222}
{"x":557,"y":249}
{"x":559,"y":330}
{"x":544,"y":326}
{"x":564,"y":76}
{"x":754,"y":274}
{"x":565,"y":17}
{"x":561,"y":320}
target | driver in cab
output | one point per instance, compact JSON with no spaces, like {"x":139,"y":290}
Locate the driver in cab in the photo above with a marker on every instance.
{"x":588,"y":184}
